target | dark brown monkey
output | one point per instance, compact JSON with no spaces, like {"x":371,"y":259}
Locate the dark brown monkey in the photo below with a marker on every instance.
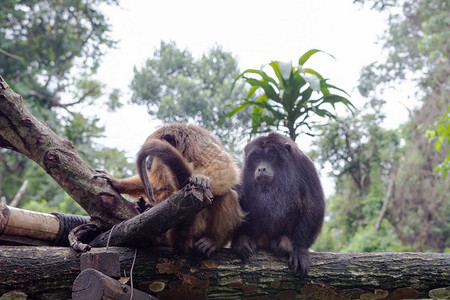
{"x":178,"y":153}
{"x":283,"y":198}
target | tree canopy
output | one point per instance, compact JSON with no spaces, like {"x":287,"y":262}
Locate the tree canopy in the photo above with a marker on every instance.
{"x":49,"y":52}
{"x":176,"y":87}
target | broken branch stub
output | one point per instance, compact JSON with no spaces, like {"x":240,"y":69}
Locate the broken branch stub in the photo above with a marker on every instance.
{"x":142,"y":229}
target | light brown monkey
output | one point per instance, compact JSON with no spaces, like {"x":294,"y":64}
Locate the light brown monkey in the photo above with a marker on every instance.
{"x":178,"y":153}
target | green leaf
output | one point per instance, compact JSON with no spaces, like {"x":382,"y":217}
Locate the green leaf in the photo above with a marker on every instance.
{"x":251,"y":92}
{"x":306,"y":94}
{"x":333,"y":99}
{"x":292,"y":91}
{"x":336,"y":88}
{"x":430,"y":134}
{"x":262,"y":74}
{"x":256,"y":118}
{"x":308,"y":54}
{"x":276,"y":68}
{"x":323,"y":112}
{"x":254,"y":71}
{"x":268,"y":89}
{"x":262,"y":102}
{"x":237,"y":78}
{"x":234,"y":111}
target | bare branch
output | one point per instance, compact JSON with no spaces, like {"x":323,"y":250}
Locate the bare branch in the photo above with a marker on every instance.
{"x":15,"y":201}
{"x":385,"y":202}
{"x":10,"y":54}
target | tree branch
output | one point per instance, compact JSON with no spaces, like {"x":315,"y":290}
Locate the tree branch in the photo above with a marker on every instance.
{"x":22,"y":132}
{"x":142,"y":229}
{"x":84,"y":96}
{"x":385,"y":202}
{"x":50,"y":99}
{"x":10,"y":54}
{"x":15,"y":201}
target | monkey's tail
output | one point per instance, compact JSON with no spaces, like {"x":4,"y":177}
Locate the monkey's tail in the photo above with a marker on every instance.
{"x":169,"y":155}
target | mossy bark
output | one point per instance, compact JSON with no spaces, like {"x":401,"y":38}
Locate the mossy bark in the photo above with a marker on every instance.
{"x":49,"y":272}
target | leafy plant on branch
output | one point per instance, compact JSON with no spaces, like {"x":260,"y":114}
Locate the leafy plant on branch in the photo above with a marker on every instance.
{"x":288,"y":101}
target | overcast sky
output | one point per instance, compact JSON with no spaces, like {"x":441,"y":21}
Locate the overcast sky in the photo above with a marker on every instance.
{"x":254,"y":31}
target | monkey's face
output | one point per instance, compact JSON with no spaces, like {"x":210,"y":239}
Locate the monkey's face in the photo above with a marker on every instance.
{"x":264,"y":171}
{"x":262,"y":163}
{"x":267,"y":161}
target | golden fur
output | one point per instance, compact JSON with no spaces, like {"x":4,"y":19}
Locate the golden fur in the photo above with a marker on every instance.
{"x":172,"y":146}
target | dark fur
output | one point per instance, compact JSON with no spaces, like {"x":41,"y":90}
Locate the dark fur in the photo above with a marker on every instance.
{"x":282,"y":194}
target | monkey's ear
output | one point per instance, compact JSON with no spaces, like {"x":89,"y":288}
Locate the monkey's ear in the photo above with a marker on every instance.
{"x":288,"y":147}
{"x":170,"y":139}
{"x":246,"y":148}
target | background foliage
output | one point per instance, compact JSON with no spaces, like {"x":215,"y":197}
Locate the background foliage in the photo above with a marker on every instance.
{"x":417,"y":50}
{"x":176,"y":87}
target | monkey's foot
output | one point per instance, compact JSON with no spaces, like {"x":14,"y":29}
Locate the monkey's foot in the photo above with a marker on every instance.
{"x":142,"y":205}
{"x":300,"y":261}
{"x":200,"y":180}
{"x":244,"y":246}
{"x":205,"y":246}
{"x":201,"y":186}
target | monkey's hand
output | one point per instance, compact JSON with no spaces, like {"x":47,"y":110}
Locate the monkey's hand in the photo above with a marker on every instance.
{"x":205,"y":246}
{"x":244,"y":246}
{"x":108,"y":177}
{"x":201,"y":184}
{"x":300,"y":261}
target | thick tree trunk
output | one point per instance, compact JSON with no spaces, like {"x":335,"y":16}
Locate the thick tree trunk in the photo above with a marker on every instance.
{"x":48,"y":273}
{"x":22,"y":132}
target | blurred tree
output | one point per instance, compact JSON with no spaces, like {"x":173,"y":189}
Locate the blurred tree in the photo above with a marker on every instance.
{"x":286,"y":101}
{"x":49,"y":51}
{"x":418,"y":50}
{"x":176,"y":87}
{"x":363,"y":158}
